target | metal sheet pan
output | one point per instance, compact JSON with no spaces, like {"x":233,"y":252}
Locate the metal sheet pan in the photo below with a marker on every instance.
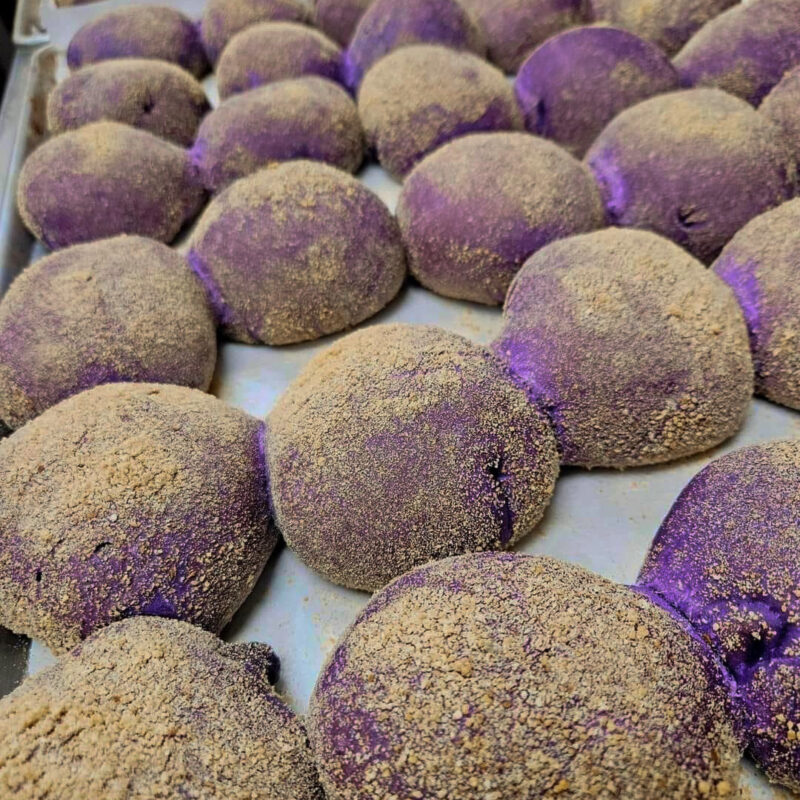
{"x":603,"y":520}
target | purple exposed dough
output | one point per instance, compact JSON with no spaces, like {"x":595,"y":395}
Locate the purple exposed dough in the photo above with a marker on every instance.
{"x":780,"y":107}
{"x":339,"y":18}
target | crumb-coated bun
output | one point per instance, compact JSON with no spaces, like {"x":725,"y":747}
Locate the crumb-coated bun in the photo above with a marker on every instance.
{"x":310,"y":118}
{"x":401,"y":444}
{"x":131,"y":499}
{"x":223,"y":19}
{"x":746,"y":50}
{"x":780,"y":107}
{"x":106,"y":179}
{"x":668,"y":24}
{"x":726,"y":558}
{"x":761,"y":264}
{"x":694,"y":166}
{"x":422,"y":96}
{"x":121,"y":309}
{"x":515,"y":27}
{"x":508,"y":676}
{"x":634,"y":349}
{"x":152,"y":708}
{"x":296,"y":252}
{"x":149,"y":31}
{"x":275,"y":51}
{"x":339,"y":18}
{"x":574,"y":84}
{"x":153,"y":95}
{"x":475,"y":209}
{"x":391,"y":24}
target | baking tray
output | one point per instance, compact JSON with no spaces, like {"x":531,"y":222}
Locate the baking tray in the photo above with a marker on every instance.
{"x":603,"y":520}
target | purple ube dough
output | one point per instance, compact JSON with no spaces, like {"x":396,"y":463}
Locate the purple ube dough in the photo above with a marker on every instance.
{"x":475,"y":209}
{"x":306,"y":118}
{"x":781,"y":105}
{"x":339,"y":18}
{"x":140,"y":32}
{"x":746,"y":50}
{"x":726,"y":558}
{"x":105,"y":179}
{"x":694,"y":166}
{"x":275,"y":51}
{"x":389,"y":24}
{"x":578,"y":81}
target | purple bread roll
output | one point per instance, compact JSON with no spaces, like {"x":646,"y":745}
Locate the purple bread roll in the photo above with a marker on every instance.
{"x":694,"y":166}
{"x":474,"y":210}
{"x":275,"y":51}
{"x":760,"y":264}
{"x":391,"y":24}
{"x":122,"y":309}
{"x":296,"y":252}
{"x":105,"y":179}
{"x":131,"y":499}
{"x":151,"y":708}
{"x":309,"y":118}
{"x":745,"y":50}
{"x":421,"y":97}
{"x":507,"y":676}
{"x":515,"y":27}
{"x":780,"y":107}
{"x":572,"y":86}
{"x":140,"y":32}
{"x":152,"y":95}
{"x":726,"y":559}
{"x":339,"y":18}
{"x":636,"y":351}
{"x":401,"y":444}
{"x":667,"y":24}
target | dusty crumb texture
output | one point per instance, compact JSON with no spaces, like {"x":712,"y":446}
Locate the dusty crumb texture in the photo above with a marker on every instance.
{"x":746,"y":50}
{"x":423,"y":96}
{"x":296,"y":252}
{"x":726,"y":558}
{"x":131,"y":499}
{"x":121,"y":309}
{"x":780,"y":107}
{"x":152,"y":95}
{"x":106,"y":179}
{"x":339,"y":18}
{"x":303,"y":118}
{"x":761,"y":265}
{"x":474,"y":210}
{"x":223,"y":19}
{"x":275,"y":51}
{"x":513,"y":28}
{"x":694,"y":166}
{"x":637,"y":353}
{"x":506,"y":676}
{"x":140,"y":32}
{"x":401,"y":444}
{"x":667,"y":24}
{"x":391,"y":24}
{"x":152,"y":709}
{"x":572,"y":86}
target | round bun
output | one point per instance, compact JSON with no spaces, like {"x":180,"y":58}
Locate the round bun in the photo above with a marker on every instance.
{"x":154,"y":31}
{"x":152,"y":95}
{"x":105,"y":179}
{"x":339,"y":18}
{"x":636,"y":351}
{"x":474,"y":210}
{"x":391,"y":24}
{"x":275,"y":51}
{"x":572,"y":86}
{"x":694,"y":166}
{"x":420,"y":97}
{"x":297,"y":252}
{"x":309,"y":118}
{"x":726,"y":559}
{"x":131,"y":499}
{"x":122,"y":309}
{"x":506,"y":676}
{"x":154,"y":708}
{"x":780,"y":107}
{"x":401,"y":444}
